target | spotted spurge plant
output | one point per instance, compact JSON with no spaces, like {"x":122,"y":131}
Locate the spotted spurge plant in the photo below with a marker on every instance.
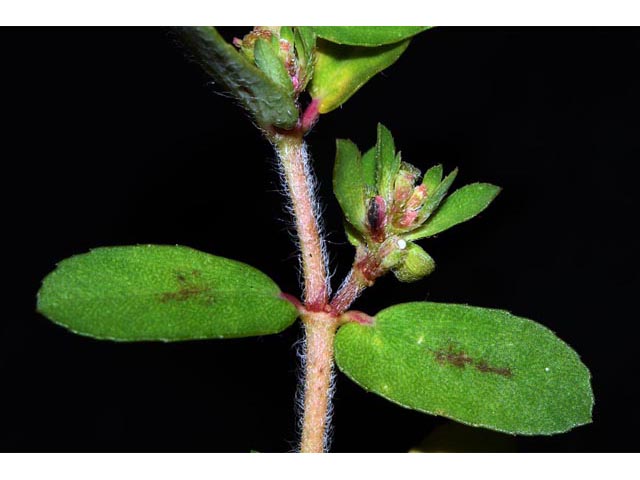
{"x":479,"y":366}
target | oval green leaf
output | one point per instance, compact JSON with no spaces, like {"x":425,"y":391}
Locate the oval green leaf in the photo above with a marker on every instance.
{"x":159,"y":292}
{"x":269,"y":62}
{"x":367,"y":36}
{"x":462,"y":205}
{"x":432,"y":179}
{"x":305,"y":43}
{"x":341,"y":70}
{"x":478,"y":366}
{"x":270,"y":103}
{"x":387,"y":162}
{"x":370,"y":169}
{"x":354,"y":237}
{"x":348,"y":183}
{"x":434,"y":200}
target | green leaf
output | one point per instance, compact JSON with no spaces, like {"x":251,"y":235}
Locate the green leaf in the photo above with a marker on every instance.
{"x":462,"y":205}
{"x":353,"y":236}
{"x":270,"y":103}
{"x":387,"y":162}
{"x":369,"y":168}
{"x":306,"y":36}
{"x":478,"y":366}
{"x":341,"y":70}
{"x":159,"y":292}
{"x":305,"y":42}
{"x":432,"y":178}
{"x":416,"y":264}
{"x":434,"y":200}
{"x":367,"y":36}
{"x":268,"y":60}
{"x":348,"y":184}
{"x":286,"y":33}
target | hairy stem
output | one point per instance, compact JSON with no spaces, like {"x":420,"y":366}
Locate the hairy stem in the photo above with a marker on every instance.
{"x":320,"y":329}
{"x":320,"y":326}
{"x":293,"y":157}
{"x":364,"y":272}
{"x":348,"y":292}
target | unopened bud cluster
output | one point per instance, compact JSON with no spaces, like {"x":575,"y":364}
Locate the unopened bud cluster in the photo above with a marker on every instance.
{"x":284,"y":54}
{"x":394,"y":205}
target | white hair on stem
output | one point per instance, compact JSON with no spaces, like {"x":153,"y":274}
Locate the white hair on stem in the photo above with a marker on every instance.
{"x":312,"y":188}
{"x":328,"y":430}
{"x":301,"y":349}
{"x":300,"y":185}
{"x":287,"y":220}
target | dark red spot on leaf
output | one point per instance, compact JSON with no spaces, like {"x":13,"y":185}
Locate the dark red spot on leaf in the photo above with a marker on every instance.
{"x":456,"y":357}
{"x":452,"y":357}
{"x":483,"y":367}
{"x":188,"y":289}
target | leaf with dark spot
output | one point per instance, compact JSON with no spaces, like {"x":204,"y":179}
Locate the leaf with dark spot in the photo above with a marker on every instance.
{"x":479,"y":366}
{"x":157,"y":292}
{"x":189,"y":287}
{"x":459,"y":358}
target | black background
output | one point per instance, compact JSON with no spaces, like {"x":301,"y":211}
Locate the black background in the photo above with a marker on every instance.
{"x":112,"y":137}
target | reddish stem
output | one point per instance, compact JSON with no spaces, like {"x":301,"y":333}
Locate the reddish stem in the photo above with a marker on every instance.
{"x":366,"y":269}
{"x":348,"y":292}
{"x":320,"y":326}
{"x":292,"y":152}
{"x":320,"y":330}
{"x":310,"y":115}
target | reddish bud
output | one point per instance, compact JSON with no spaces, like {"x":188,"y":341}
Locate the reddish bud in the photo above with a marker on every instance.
{"x":408,"y":218}
{"x":417,"y":197}
{"x":285,"y":46}
{"x":404,"y":182}
{"x":377,"y":217}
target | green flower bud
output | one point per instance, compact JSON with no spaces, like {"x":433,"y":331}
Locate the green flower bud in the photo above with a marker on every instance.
{"x":285,"y":54}
{"x":417,"y":264}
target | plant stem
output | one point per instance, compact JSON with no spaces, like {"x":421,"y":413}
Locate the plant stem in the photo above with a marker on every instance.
{"x":293,"y":157}
{"x":348,"y":292}
{"x":320,"y":326}
{"x":364,"y":272}
{"x":320,"y":329}
{"x":320,"y":318}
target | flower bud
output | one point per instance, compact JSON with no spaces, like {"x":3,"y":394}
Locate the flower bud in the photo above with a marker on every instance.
{"x":416,"y":264}
{"x":276,"y":51}
{"x":404,"y":183}
{"x":377,"y":217}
